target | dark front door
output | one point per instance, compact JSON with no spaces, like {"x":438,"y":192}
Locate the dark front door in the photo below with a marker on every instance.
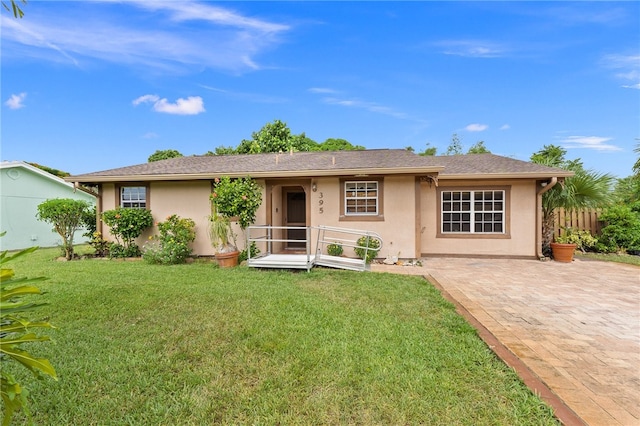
{"x":296,"y":215}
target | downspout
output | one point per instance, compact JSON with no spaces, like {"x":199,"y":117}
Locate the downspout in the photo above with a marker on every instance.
{"x":545,"y":188}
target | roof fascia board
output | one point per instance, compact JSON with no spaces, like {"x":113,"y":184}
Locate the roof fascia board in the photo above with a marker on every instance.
{"x":260,"y":175}
{"x":528,"y":175}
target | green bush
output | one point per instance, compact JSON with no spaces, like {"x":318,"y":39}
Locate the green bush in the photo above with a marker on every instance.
{"x":581,"y":238}
{"x":237,"y":198}
{"x":367,"y":247}
{"x":335,"y":249}
{"x":126,"y":225}
{"x":255,"y":251}
{"x":16,"y":330}
{"x":66,"y":215}
{"x":621,"y":232}
{"x":172,"y":246}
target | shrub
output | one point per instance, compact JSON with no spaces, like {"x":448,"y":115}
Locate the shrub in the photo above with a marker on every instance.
{"x":334,"y":249}
{"x":65,"y":214}
{"x":582,"y":239}
{"x":172,"y":246}
{"x":621,"y":232}
{"x":89,"y":222}
{"x":100,"y":245}
{"x":126,"y":225}
{"x":244,"y":253}
{"x":368,"y":248}
{"x":16,"y":329}
{"x":237,"y":198}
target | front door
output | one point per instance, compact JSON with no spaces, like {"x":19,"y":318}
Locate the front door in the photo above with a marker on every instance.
{"x":295,"y":215}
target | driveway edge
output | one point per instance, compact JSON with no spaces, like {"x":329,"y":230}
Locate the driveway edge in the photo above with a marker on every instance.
{"x":562,"y":412}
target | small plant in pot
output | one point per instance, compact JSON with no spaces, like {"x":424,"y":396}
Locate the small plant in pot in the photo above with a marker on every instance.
{"x":368,"y":248}
{"x":236,"y":199}
{"x":335,"y":249}
{"x":565,"y":244}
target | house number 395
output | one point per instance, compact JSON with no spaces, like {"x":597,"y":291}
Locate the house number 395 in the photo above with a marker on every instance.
{"x":320,"y":203}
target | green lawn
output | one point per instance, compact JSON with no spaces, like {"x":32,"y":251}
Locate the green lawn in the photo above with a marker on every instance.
{"x":610,"y":257}
{"x":197,"y":345}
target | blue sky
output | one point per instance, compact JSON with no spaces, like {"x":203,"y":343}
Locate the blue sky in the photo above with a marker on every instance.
{"x":89,"y":86}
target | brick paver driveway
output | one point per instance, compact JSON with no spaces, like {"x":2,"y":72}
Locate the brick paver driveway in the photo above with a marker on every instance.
{"x":574,"y":325}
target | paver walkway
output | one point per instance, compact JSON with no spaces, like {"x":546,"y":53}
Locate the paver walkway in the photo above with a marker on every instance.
{"x":574,"y":325}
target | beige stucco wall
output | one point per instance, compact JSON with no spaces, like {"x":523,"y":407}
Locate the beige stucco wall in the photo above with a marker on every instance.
{"x":409,"y":227}
{"x":186,"y":199}
{"x":398,"y":229}
{"x":522,"y":222}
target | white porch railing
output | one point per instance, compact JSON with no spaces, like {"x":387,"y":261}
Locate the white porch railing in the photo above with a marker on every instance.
{"x":272,"y":242}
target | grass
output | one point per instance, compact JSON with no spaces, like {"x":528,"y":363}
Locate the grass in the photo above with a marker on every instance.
{"x":610,"y":257}
{"x":193,"y":344}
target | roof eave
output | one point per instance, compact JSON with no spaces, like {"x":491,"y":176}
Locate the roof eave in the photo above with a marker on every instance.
{"x":526,"y":175}
{"x":258,"y":174}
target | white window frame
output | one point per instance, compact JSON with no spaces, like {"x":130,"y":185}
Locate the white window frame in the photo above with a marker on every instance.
{"x":477,"y":212}
{"x":133,"y":203}
{"x":359,"y":191}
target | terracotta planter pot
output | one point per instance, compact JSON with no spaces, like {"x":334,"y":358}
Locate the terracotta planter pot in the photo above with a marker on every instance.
{"x":227,"y":260}
{"x":563,"y":252}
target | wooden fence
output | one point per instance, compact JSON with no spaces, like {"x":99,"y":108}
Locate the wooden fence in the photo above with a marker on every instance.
{"x":580,"y":220}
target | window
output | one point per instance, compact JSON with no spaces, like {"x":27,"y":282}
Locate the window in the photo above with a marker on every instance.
{"x":134,"y":197}
{"x":361,"y":198}
{"x":474,"y":212}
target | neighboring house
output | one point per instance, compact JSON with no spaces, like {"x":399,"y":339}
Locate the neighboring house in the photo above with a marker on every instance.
{"x":460,"y":205}
{"x":23,"y":188}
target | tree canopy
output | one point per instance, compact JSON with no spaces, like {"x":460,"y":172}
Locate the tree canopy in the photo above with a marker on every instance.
{"x":586,"y":189}
{"x":164,"y":155}
{"x":277,"y":137}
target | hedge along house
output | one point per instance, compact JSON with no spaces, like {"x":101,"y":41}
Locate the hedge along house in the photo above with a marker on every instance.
{"x":461,"y":205}
{"x":23,"y":187}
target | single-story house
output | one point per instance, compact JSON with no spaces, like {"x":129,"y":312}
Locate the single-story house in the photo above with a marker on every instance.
{"x":459,"y":205}
{"x":23,"y":188}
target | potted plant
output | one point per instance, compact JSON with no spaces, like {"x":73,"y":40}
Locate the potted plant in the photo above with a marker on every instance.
{"x":335,"y":249}
{"x":564,"y":245}
{"x":236,"y":200}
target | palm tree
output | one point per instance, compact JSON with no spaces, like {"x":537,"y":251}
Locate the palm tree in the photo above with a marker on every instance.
{"x":586,"y":189}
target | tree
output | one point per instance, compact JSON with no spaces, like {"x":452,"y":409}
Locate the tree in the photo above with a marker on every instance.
{"x":333,"y":144}
{"x":429,"y":150}
{"x":16,"y":329}
{"x":15,"y":8}
{"x":164,"y":155}
{"x":222,"y":150}
{"x":54,"y":172}
{"x":126,"y":224}
{"x":636,"y":165}
{"x":586,"y":189}
{"x":66,"y":215}
{"x":455,"y":147}
{"x":478,"y":148}
{"x":273,"y":137}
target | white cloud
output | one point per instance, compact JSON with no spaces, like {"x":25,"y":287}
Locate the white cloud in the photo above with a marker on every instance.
{"x":192,"y":105}
{"x":505,"y":127}
{"x":631,"y":86}
{"x":16,"y":101}
{"x":473,"y":48}
{"x":476,"y":127}
{"x":150,"y":135}
{"x":322,"y":90}
{"x":161,"y":38}
{"x":627,"y":68}
{"x":596,"y":143}
{"x":146,"y":98}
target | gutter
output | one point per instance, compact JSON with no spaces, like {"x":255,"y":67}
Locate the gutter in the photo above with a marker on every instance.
{"x":545,"y":188}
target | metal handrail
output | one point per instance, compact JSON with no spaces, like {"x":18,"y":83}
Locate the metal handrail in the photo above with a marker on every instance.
{"x":320,"y":245}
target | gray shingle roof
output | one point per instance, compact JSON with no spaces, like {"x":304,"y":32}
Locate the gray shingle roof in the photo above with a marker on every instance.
{"x":381,"y":161}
